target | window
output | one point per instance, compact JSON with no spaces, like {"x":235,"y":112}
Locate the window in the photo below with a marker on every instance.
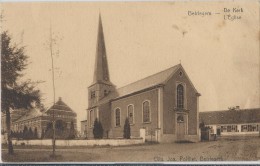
{"x":146,"y":112}
{"x":92,"y":94}
{"x":91,"y":118}
{"x":234,"y":128}
{"x":130,"y":112}
{"x":249,"y":128}
{"x":180,"y":118}
{"x":244,"y":128}
{"x":117,"y":112}
{"x":180,"y":73}
{"x":228,"y":128}
{"x":180,"y":96}
{"x":223,"y":128}
{"x":105,"y":92}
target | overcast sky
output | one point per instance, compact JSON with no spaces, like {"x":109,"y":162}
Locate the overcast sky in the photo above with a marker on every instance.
{"x":220,"y":56}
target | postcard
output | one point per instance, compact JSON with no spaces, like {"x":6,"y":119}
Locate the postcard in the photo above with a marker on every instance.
{"x":130,"y":82}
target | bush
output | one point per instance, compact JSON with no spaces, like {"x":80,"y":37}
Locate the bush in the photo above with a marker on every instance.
{"x":98,"y":129}
{"x":61,"y":130}
{"x":72,"y":131}
{"x":25,"y":133}
{"x":127,"y":130}
{"x":30,"y":133}
{"x":42,"y":134}
{"x":35,"y":134}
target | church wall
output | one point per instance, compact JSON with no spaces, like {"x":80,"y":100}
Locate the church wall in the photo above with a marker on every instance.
{"x":89,"y":125}
{"x":40,"y":123}
{"x":193,"y":114}
{"x":92,"y":101}
{"x":105,"y":118}
{"x":101,"y":90}
{"x":29,"y":123}
{"x":137,"y":100}
{"x":170,"y":104}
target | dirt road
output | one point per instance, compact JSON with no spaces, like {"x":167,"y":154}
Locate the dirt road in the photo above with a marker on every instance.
{"x":225,"y":149}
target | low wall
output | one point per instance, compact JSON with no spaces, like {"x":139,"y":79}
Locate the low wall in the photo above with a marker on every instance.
{"x":101,"y":142}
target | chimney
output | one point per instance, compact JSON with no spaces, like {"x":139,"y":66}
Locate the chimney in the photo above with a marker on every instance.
{"x":59,"y":98}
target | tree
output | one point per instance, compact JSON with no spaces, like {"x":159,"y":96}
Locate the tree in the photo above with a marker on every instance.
{"x":20,"y":135}
{"x":30,"y":133}
{"x":42,"y":134}
{"x":35,"y":134}
{"x":16,"y":94}
{"x":25,"y":132}
{"x":12,"y":134}
{"x":61,"y":130}
{"x":48,"y":132}
{"x":127,"y":130}
{"x":95,"y":128}
{"x":72,"y":131}
{"x":98,"y":129}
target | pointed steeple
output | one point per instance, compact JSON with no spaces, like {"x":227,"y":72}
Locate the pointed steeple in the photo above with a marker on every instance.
{"x":101,"y":73}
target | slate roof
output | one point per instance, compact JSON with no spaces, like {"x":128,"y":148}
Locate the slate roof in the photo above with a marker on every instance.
{"x":150,"y":81}
{"x":35,"y":112}
{"x":230,"y":116}
{"x":160,"y":78}
{"x":101,"y":71}
{"x":32,"y":113}
{"x":60,"y":105}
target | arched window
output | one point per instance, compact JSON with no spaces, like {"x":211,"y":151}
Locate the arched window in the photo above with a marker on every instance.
{"x":106,"y":92}
{"x":146,"y":112}
{"x":180,"y":118}
{"x":92,"y":94}
{"x":117,"y":117}
{"x":91,"y":118}
{"x":180,"y":96}
{"x":130,"y":113}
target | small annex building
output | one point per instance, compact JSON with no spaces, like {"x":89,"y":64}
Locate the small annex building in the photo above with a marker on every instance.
{"x":232,"y":122}
{"x":38,"y":120}
{"x":165,"y":104}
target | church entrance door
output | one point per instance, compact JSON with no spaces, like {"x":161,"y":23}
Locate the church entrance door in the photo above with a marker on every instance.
{"x":181,"y":128}
{"x":180,"y":131}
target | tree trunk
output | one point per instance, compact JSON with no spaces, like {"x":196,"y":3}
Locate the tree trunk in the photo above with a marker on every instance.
{"x":8,"y":128}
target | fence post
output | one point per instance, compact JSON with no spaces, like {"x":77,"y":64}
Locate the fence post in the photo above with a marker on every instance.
{"x":142,"y":134}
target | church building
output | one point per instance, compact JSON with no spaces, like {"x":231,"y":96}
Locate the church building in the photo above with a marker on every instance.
{"x":165,"y":104}
{"x":38,"y":120}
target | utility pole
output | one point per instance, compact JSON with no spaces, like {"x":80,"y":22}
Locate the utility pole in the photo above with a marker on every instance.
{"x":53,"y":86}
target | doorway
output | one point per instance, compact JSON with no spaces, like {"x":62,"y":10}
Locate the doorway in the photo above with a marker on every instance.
{"x":181,"y":128}
{"x":218,"y":132}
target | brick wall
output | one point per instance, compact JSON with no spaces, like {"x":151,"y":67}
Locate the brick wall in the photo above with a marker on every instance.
{"x":170,"y":102}
{"x":136,"y":100}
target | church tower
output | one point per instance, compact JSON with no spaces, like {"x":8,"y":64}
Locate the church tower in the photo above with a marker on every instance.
{"x":101,"y":85}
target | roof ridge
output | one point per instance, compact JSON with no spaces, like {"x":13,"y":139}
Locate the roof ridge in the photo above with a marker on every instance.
{"x":245,"y":109}
{"x":60,"y":103}
{"x":148,"y":76}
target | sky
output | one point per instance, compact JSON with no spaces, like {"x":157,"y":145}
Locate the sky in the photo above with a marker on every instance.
{"x":221,"y":57}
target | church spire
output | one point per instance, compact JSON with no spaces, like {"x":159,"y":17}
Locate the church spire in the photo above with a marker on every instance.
{"x":101,"y":73}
